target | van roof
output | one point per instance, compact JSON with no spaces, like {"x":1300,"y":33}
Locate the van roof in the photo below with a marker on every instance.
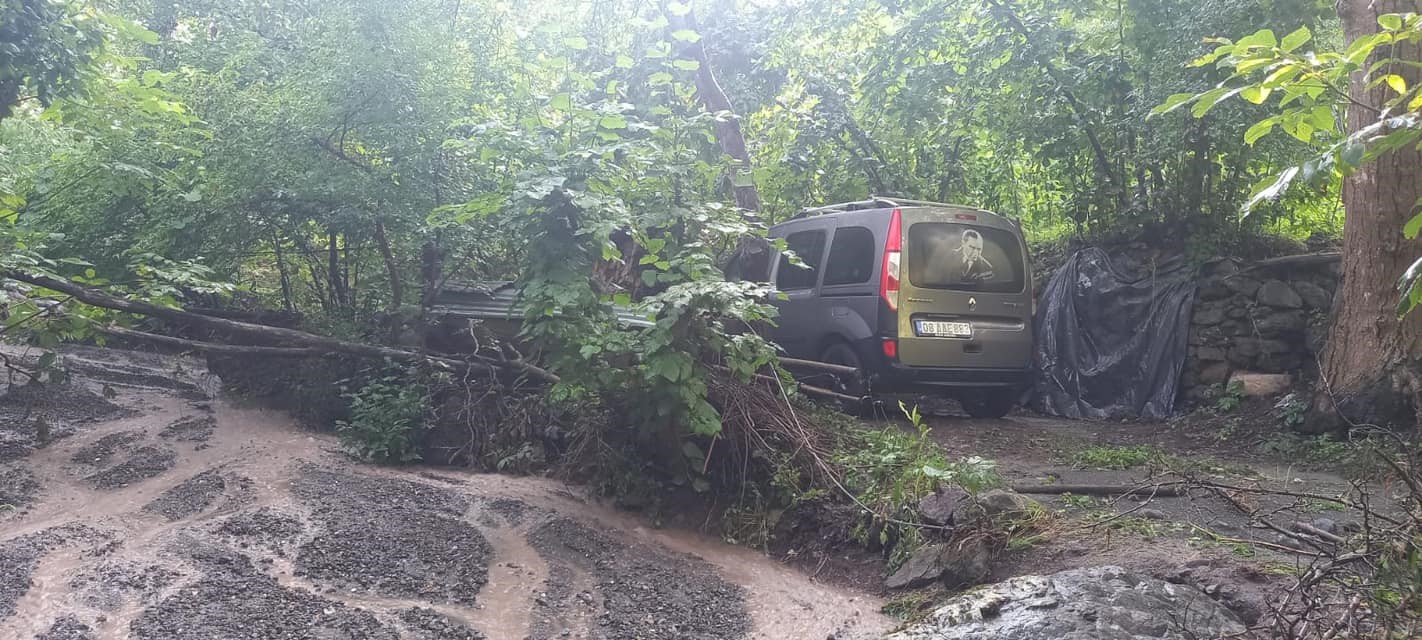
{"x":877,"y":205}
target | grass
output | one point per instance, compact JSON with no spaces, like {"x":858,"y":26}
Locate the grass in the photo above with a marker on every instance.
{"x":1117,"y":458}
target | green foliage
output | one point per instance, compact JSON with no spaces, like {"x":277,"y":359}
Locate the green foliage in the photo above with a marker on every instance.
{"x":1229,"y":396}
{"x":1310,"y":90}
{"x":1106,"y":457}
{"x":387,"y":418}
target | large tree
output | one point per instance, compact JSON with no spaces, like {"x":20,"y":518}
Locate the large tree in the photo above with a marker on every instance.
{"x":1372,"y":368}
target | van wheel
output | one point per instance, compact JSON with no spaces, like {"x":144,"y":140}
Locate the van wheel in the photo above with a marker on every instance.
{"x":990,"y":404}
{"x":843,"y":354}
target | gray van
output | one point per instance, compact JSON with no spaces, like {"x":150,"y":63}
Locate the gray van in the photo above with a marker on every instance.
{"x":917,"y":295}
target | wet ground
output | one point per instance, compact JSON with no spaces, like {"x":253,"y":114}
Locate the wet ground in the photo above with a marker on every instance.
{"x":138,"y":505}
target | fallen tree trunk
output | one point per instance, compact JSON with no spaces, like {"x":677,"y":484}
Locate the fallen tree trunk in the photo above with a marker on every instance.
{"x":1168,"y":490}
{"x":98,"y":298}
{"x":212,"y":347}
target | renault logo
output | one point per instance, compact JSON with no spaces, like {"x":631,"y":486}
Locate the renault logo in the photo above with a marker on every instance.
{"x":972,"y":303}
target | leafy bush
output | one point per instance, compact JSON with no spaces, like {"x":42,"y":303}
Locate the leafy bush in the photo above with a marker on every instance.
{"x":387,"y":417}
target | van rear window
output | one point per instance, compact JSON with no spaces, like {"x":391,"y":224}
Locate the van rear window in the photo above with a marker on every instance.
{"x":943,"y":255}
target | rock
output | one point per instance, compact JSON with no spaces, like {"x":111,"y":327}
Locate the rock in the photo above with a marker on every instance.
{"x":1277,"y":293}
{"x":938,"y":508}
{"x":1275,"y":323}
{"x":1214,"y":289}
{"x":1208,"y":314}
{"x":1210,"y":354}
{"x":1313,"y":296}
{"x":1220,"y":267}
{"x":1151,"y":514}
{"x":997,"y":503}
{"x":1243,"y":285}
{"x":1100,"y":603}
{"x":1262,"y":385}
{"x":957,"y":564}
{"x":1325,"y":524}
{"x":1236,"y":312}
{"x":1215,"y":373}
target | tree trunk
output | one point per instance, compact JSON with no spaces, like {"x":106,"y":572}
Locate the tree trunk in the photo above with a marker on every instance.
{"x":397,"y":286}
{"x":286,"y":298}
{"x":1372,"y":368}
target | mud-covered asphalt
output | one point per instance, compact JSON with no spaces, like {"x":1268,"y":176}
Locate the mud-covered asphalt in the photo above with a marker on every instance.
{"x":153,"y":511}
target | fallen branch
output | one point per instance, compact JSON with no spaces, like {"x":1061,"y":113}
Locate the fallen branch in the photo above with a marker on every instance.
{"x":1304,"y":527}
{"x":212,"y":347}
{"x":1163,"y":490}
{"x":98,"y":298}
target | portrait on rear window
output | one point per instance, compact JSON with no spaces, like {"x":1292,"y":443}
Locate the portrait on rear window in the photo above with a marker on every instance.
{"x":973,"y":267}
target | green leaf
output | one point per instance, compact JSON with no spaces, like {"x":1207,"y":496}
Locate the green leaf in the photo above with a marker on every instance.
{"x":1172,"y":103}
{"x":659,"y":78}
{"x":1397,"y":82}
{"x":686,"y":65}
{"x":624,"y":62}
{"x":1210,"y":98}
{"x":1259,"y":130}
{"x":1255,"y":94}
{"x":561,"y":102}
{"x":1413,"y":226}
{"x":1390,"y":21}
{"x":1260,"y":38}
{"x":1352,"y":154}
{"x":679,"y":8}
{"x":1296,"y":39}
{"x":576,"y":43}
{"x":686,"y":35}
{"x":1271,"y":188}
{"x":612,"y":122}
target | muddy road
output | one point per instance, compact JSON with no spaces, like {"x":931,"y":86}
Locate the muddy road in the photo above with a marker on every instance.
{"x":159,"y":511}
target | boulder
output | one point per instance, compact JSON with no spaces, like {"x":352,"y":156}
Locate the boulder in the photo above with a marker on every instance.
{"x":1243,"y":285}
{"x":1278,"y":294}
{"x":1313,"y":296}
{"x":1210,"y":354}
{"x":1262,"y":385}
{"x":997,"y":503}
{"x":1099,"y":603}
{"x":938,"y":508}
{"x":956,"y":564}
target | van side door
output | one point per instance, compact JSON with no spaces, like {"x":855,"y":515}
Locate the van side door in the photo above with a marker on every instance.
{"x":849,"y":290}
{"x":798,"y":327}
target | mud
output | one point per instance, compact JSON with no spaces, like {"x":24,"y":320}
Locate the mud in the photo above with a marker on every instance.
{"x":144,"y":463}
{"x":191,"y":497}
{"x":265,"y":530}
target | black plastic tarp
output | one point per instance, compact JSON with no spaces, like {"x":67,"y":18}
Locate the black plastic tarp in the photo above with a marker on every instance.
{"x":1110,"y":344}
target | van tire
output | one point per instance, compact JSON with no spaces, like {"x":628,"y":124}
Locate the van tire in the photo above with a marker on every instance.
{"x":843,"y":354}
{"x":989,"y":404}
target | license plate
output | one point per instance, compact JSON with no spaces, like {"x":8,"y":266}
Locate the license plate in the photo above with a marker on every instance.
{"x":948,"y":329}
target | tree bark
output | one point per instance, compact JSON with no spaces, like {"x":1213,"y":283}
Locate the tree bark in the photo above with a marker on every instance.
{"x":1372,"y":367}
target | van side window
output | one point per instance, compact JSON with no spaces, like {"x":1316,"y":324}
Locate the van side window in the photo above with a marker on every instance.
{"x":810,"y":247}
{"x":851,"y":256}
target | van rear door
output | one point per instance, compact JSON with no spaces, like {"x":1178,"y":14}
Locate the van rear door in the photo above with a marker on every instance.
{"x":966,"y":298}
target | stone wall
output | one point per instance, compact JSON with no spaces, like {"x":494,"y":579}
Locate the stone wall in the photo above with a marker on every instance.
{"x":1269,"y":318}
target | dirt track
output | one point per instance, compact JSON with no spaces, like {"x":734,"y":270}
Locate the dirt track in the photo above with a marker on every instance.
{"x":162,"y":513}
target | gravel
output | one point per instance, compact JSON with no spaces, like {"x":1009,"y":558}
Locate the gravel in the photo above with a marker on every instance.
{"x":18,"y":486}
{"x":20,"y":556}
{"x":190,"y":497}
{"x":144,"y":463}
{"x":647,"y":593}
{"x":100,"y":451}
{"x":427,"y":624}
{"x":67,"y":628}
{"x":109,"y":585}
{"x":190,"y":429}
{"x":265,"y":526}
{"x":23,"y":408}
{"x":235,"y":601}
{"x":390,"y":537}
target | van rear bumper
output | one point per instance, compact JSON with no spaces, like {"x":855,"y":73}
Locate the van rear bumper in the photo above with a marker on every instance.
{"x":897,"y":377}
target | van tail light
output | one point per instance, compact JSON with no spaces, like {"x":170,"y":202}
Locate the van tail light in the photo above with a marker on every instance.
{"x":891,"y":348}
{"x":889,"y":275}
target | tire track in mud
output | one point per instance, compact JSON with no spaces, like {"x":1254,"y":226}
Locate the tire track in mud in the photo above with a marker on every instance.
{"x":260,"y":530}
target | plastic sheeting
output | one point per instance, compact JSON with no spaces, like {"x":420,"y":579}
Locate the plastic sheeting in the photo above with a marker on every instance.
{"x":1110,"y":345}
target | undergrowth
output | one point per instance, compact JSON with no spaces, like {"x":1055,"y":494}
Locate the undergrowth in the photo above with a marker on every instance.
{"x":388,"y":415}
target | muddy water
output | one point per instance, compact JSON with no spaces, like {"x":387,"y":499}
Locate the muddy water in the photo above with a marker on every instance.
{"x":130,"y":572}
